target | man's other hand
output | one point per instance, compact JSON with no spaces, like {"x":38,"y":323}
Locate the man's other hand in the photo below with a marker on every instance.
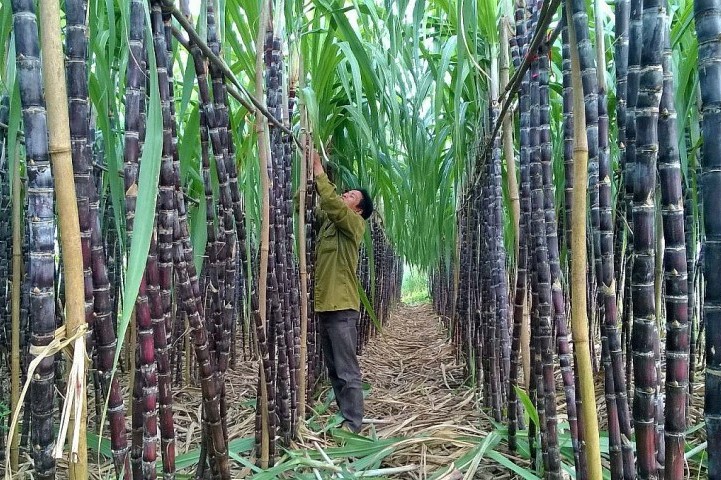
{"x":317,"y":165}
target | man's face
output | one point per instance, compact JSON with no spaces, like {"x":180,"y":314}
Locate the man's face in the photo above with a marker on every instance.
{"x":352,"y":198}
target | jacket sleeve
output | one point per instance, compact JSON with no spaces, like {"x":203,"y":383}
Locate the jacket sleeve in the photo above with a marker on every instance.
{"x":345,"y":219}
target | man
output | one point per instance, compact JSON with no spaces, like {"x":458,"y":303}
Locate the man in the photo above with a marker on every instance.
{"x":337,"y":302}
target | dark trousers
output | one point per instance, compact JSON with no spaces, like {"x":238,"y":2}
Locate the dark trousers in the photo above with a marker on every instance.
{"x":339,"y":338}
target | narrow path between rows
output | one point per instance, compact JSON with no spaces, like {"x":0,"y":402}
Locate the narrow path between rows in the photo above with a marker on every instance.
{"x":417,"y":393}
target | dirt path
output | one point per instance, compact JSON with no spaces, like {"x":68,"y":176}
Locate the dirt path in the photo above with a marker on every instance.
{"x":417,"y":396}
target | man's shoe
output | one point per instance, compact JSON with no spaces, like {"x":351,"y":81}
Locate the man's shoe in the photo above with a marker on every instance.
{"x":345,"y":426}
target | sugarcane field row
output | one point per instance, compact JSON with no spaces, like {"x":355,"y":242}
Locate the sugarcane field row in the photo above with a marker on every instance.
{"x":409,"y":239}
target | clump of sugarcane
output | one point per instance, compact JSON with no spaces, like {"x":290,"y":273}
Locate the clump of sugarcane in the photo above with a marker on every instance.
{"x":380,"y":282}
{"x":518,"y":50}
{"x":145,"y":388}
{"x":542,"y":207}
{"x":315,"y":357}
{"x":617,"y":412}
{"x":281,"y":265}
{"x":40,"y":218}
{"x":165,"y":218}
{"x":441,"y":290}
{"x":276,"y":272}
{"x":99,"y":303}
{"x":365,"y":329}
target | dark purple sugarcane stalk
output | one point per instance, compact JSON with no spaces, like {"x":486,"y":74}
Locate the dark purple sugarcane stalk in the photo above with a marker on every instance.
{"x":189,"y":296}
{"x":214,"y":247}
{"x":517,"y":51}
{"x":536,"y":384}
{"x":172,"y":322}
{"x":567,"y":140}
{"x":540,"y":273}
{"x":634,"y":64}
{"x":101,"y":306}
{"x":310,"y":230}
{"x":79,"y":115}
{"x":484,"y":328}
{"x":220,"y":99}
{"x":691,"y":231}
{"x":40,"y":220}
{"x":144,"y":421}
{"x":552,"y":245}
{"x":675,"y":272}
{"x":621,"y":47}
{"x":565,"y":355}
{"x":233,"y":211}
{"x":708,"y":31}
{"x":499,"y":276}
{"x":645,"y":334}
{"x":620,"y":451}
{"x":279,"y":216}
{"x":292,"y":267}
{"x":166,"y":212}
{"x":226,"y":262}
{"x":274,"y":298}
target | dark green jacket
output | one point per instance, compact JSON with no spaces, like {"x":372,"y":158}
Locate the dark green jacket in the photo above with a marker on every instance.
{"x":338,"y":241}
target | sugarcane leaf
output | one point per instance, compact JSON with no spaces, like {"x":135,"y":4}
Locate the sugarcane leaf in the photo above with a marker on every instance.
{"x":527,"y":404}
{"x":100,"y":444}
{"x":6,"y":22}
{"x":243,"y":461}
{"x":369,"y":308}
{"x":517,"y":469}
{"x":188,"y":86}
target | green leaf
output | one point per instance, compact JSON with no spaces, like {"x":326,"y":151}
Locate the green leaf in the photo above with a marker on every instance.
{"x":527,"y":404}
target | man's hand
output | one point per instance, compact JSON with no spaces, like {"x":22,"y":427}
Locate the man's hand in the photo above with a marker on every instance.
{"x":317,"y":165}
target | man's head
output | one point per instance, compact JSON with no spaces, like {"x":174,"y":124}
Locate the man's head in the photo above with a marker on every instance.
{"x":359,"y":201}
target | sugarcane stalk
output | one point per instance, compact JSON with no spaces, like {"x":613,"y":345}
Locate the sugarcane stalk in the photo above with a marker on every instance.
{"x":263,"y":142}
{"x":675,"y":272}
{"x":578,"y":266}
{"x":16,"y":291}
{"x":645,"y":332}
{"x":41,"y":226}
{"x":708,"y":31}
{"x":166,"y":220}
{"x":61,"y":159}
{"x":303,"y":260}
{"x":508,"y":152}
{"x":621,"y":452}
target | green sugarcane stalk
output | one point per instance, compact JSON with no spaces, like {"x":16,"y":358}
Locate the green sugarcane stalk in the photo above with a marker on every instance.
{"x":61,"y":159}
{"x":579,"y":321}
